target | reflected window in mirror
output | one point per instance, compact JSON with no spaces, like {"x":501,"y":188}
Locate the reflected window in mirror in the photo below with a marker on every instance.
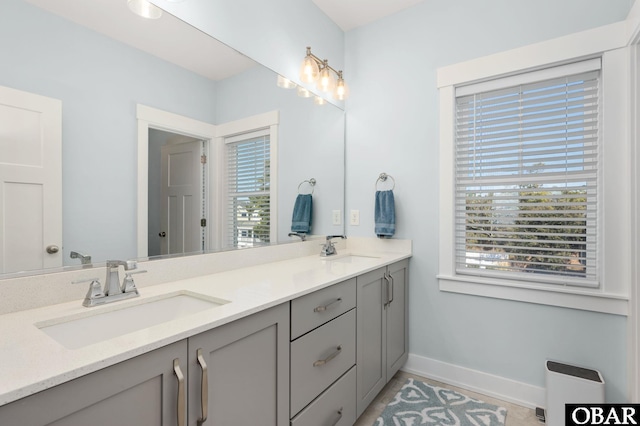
{"x":248,"y":189}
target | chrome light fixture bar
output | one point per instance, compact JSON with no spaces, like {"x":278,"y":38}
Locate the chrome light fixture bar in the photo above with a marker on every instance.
{"x":316,"y":70}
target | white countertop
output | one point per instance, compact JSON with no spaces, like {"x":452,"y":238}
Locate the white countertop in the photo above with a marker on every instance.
{"x":31,"y":361}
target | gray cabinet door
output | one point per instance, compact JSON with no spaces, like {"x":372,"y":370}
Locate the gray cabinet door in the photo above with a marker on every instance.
{"x":142,"y":391}
{"x":247,"y":365}
{"x":397,"y":315}
{"x":370,"y":336}
{"x":382,"y":332}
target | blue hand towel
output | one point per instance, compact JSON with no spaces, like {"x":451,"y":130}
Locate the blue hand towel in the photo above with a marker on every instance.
{"x":385,"y":214}
{"x":302,"y":211}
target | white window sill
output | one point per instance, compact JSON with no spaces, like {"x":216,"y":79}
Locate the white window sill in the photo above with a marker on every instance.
{"x":566,"y":297}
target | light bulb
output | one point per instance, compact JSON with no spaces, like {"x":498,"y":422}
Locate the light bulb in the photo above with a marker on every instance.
{"x":309,"y":68}
{"x":341,"y":91}
{"x":319,"y":101}
{"x":326,"y":82}
{"x":145,"y":9}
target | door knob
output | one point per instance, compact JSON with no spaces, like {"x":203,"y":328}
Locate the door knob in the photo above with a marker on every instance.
{"x":53,"y":249}
{"x":162,"y":234}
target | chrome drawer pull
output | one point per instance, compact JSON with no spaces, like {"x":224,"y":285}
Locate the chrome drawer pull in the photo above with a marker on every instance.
{"x":321,"y":362}
{"x":204,"y":392}
{"x":339,"y":417}
{"x":389,"y":289}
{"x":181,"y":394}
{"x":329,"y":306}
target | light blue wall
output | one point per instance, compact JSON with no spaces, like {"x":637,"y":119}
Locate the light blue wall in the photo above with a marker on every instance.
{"x":392,"y":127}
{"x":99,"y":82}
{"x":310,"y":144}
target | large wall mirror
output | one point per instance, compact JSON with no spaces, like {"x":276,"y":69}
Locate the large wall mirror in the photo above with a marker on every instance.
{"x":110,"y":69}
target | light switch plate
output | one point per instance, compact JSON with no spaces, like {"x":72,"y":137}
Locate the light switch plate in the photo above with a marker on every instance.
{"x":354,"y":217}
{"x":335,"y":215}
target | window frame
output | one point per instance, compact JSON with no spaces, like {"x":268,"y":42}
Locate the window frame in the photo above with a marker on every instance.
{"x":270,"y":121}
{"x":236,"y":234}
{"x":614,"y":211}
{"x":506,"y":184}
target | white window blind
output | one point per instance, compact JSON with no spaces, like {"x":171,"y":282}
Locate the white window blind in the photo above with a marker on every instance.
{"x":248,"y":183}
{"x":527,"y":178}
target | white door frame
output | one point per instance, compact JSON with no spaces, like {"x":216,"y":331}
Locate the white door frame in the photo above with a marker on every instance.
{"x":162,"y":120}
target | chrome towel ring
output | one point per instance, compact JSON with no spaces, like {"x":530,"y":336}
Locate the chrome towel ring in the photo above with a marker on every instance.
{"x":383,"y":178}
{"x":311,"y":182}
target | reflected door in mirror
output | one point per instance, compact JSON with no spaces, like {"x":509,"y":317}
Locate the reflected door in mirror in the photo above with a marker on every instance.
{"x":182,"y":195}
{"x":30,"y":181}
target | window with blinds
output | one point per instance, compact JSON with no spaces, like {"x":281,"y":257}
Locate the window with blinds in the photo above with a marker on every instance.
{"x":527,"y":176}
{"x":248,"y":182}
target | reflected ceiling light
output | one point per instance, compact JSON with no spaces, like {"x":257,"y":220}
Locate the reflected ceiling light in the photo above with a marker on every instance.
{"x":303,"y":93}
{"x":285,"y":83}
{"x":145,"y":9}
{"x":315,"y":70}
{"x":319,"y":100}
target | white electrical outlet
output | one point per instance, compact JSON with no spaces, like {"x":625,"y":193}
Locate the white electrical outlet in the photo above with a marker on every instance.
{"x":354,"y":217}
{"x":337,"y":220}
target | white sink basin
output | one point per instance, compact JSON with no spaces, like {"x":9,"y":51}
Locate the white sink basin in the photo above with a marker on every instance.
{"x":74,"y":332}
{"x":351,"y":258}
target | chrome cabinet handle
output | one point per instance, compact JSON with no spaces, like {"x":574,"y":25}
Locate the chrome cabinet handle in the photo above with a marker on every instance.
{"x":339,"y":417}
{"x":181,"y":393}
{"x":390,"y":279}
{"x":386,"y":291}
{"x":327,"y":306}
{"x":204,"y":393}
{"x":321,"y":362}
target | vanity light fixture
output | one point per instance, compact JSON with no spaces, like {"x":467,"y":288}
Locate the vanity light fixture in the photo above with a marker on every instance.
{"x":313,"y":69}
{"x":145,"y":9}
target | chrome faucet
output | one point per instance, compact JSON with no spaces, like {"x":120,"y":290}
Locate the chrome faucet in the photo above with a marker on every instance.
{"x":328,"y":249}
{"x":113,"y":290}
{"x":84,"y":259}
{"x":112,"y":285}
{"x":302,"y":236}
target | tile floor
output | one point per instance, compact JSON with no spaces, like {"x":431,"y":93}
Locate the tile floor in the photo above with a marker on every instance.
{"x":516,"y":414}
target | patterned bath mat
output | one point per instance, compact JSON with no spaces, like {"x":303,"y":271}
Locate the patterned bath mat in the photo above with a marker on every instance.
{"x":418,"y":403}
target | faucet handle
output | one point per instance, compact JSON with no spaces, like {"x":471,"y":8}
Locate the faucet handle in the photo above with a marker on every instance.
{"x":128,"y":286}
{"x":131,"y":265}
{"x":95,"y":290}
{"x":330,"y":237}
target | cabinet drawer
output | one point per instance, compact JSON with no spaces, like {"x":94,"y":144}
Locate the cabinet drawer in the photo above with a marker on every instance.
{"x":317,"y":308}
{"x":316,"y":361}
{"x":336,"y":406}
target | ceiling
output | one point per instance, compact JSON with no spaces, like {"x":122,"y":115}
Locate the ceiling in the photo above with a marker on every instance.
{"x":164,"y":37}
{"x":167,"y":36}
{"x":350,"y":14}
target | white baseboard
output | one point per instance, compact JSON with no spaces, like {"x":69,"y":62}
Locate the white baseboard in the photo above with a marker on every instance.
{"x":491,"y":385}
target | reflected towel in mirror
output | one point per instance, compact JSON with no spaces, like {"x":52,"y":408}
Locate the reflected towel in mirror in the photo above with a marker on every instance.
{"x":385,"y":214}
{"x":302,"y":212}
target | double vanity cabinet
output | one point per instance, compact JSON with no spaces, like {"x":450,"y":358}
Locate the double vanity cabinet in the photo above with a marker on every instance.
{"x":318,"y":359}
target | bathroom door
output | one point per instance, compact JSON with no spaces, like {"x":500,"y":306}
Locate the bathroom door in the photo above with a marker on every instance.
{"x":182,"y":198}
{"x":30,"y":181}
